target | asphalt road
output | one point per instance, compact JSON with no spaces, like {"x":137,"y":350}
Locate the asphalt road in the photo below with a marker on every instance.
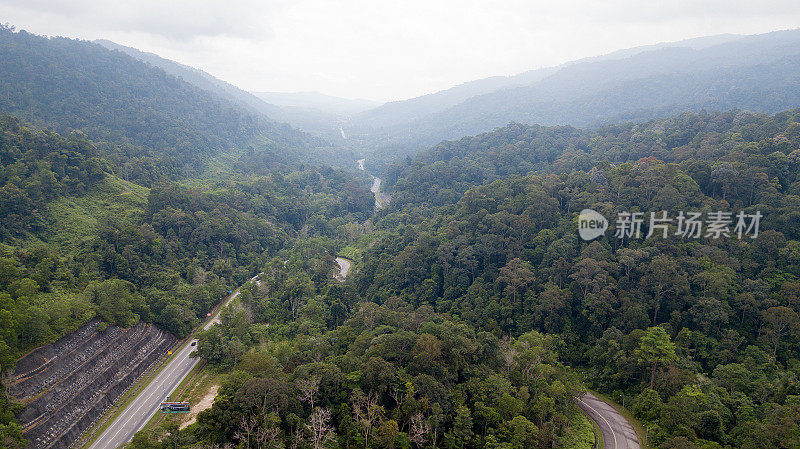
{"x":147,"y":403}
{"x":617,"y":431}
{"x":344,"y":268}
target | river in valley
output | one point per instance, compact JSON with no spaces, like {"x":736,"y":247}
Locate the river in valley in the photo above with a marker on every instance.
{"x":381,"y":199}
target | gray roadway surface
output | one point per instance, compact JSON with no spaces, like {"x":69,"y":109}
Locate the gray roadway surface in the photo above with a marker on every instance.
{"x":147,"y":402}
{"x":617,"y":431}
{"x":344,"y":268}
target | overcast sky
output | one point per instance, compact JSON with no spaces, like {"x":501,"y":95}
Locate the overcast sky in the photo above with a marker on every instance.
{"x":388,"y":50}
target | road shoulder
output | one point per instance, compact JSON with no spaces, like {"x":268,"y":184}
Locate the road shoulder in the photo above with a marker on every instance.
{"x":618,"y":432}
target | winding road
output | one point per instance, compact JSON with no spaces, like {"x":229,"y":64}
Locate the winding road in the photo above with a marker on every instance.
{"x":381,"y":199}
{"x":344,"y":268}
{"x":147,"y":402}
{"x":617,"y":431}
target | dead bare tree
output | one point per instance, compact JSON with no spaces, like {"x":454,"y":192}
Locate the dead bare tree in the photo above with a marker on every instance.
{"x":419,"y":429}
{"x":267,"y":435}
{"x":319,"y":424}
{"x":366,"y":412}
{"x":297,"y":438}
{"x":308,"y":389}
{"x":247,"y":425}
{"x":509,"y":354}
{"x":394,"y":393}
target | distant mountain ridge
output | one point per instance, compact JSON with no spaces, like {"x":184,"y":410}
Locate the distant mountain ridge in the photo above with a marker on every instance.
{"x":419,"y":107}
{"x":317,"y":101}
{"x":716,"y":72}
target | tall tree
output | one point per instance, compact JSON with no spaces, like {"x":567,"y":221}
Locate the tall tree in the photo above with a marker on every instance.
{"x":655,"y":349}
{"x":663,"y":277}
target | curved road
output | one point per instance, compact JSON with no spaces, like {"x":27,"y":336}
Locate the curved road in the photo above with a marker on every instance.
{"x":147,"y":402}
{"x":381,"y":199}
{"x":617,"y":431}
{"x":344,"y":268}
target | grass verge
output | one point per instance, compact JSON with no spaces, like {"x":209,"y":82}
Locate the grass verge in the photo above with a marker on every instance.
{"x":192,"y":389}
{"x":100,"y":426}
{"x":637,"y":425}
{"x":582,"y":433}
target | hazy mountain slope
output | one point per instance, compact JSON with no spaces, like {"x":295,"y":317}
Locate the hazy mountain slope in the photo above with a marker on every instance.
{"x":310,"y":111}
{"x":70,"y":84}
{"x":197,"y":77}
{"x":697,"y":43}
{"x":753,"y":72}
{"x":767,"y":87}
{"x":398,"y":112}
{"x":314,"y":112}
{"x":317,"y":101}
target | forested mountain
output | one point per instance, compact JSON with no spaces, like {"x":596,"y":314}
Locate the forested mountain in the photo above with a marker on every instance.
{"x":68,"y":224}
{"x":310,"y":111}
{"x":160,"y":120}
{"x":443,"y":173}
{"x":751,"y":72}
{"x":198,"y":78}
{"x":700,"y":334}
{"x":474,"y":314}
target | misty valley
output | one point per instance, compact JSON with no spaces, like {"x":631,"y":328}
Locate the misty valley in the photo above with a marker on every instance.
{"x":185,"y":264}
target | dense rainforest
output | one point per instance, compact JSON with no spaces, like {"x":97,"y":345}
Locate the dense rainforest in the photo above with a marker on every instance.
{"x":308,"y":363}
{"x":77,"y":241}
{"x":484,"y":229}
{"x":154,"y":120}
{"x":70,"y":223}
{"x":474,"y":314}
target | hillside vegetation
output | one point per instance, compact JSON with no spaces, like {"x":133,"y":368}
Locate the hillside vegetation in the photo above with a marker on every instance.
{"x":71,"y":227}
{"x":748,"y":72}
{"x":700,"y":334}
{"x":152,"y":118}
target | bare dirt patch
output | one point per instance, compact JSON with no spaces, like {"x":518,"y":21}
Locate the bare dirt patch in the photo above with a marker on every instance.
{"x":204,"y":403}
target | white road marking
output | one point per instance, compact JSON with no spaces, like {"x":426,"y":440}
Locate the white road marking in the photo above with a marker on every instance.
{"x":179,"y":361}
{"x":613,"y":434}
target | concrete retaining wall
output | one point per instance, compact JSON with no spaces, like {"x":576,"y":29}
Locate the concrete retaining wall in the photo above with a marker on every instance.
{"x":71,"y":383}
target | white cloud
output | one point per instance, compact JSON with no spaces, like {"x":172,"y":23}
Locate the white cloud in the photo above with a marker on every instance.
{"x":177,"y":20}
{"x":387,"y":49}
